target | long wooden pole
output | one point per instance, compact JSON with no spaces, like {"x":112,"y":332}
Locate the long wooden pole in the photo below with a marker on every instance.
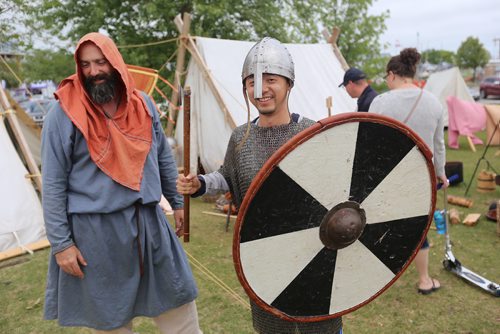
{"x":23,"y":144}
{"x":34,"y":246}
{"x":332,"y":39}
{"x":187,"y":153}
{"x":23,"y":117}
{"x":193,"y":50}
{"x":183,"y":26}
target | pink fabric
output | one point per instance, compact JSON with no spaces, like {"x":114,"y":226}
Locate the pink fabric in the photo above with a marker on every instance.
{"x":464,"y":118}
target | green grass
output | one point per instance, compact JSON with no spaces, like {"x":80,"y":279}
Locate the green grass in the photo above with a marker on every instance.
{"x":457,"y":308}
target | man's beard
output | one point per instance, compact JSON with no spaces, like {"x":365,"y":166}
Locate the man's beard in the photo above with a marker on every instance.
{"x":266,"y":112}
{"x":104,"y":92}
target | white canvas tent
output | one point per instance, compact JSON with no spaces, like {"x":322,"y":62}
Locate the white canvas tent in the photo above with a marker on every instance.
{"x":317,"y":75}
{"x":448,"y":83}
{"x":30,"y":130}
{"x":21,"y":218}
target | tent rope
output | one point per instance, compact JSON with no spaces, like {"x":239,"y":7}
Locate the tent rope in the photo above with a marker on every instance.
{"x":11,"y":70}
{"x":168,"y":60}
{"x":163,"y":114}
{"x":198,"y":265}
{"x":23,"y":247}
{"x":168,"y":83}
{"x":237,"y":100}
{"x":30,"y":176}
{"x":7,"y":111}
{"x":147,"y":44}
{"x":21,"y":83}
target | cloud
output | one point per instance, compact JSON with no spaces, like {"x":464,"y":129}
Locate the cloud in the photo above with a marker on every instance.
{"x":439,"y":24}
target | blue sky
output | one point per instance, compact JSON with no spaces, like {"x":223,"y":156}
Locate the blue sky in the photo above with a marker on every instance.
{"x":439,"y":24}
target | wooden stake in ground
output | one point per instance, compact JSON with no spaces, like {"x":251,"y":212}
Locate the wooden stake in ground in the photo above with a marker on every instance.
{"x":187,"y":153}
{"x":329,"y":104}
{"x":498,"y":218}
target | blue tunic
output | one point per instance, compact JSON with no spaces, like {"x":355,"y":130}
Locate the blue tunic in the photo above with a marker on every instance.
{"x":117,"y":230}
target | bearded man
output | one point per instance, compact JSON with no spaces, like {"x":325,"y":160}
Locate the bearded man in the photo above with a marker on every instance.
{"x":106,"y":163}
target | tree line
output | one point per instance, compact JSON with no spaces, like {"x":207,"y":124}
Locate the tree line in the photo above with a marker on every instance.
{"x":131,"y":22}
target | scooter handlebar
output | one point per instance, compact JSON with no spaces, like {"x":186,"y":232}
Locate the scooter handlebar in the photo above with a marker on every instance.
{"x":450,"y":179}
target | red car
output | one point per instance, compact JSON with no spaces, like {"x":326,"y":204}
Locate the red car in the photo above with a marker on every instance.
{"x":489,"y":86}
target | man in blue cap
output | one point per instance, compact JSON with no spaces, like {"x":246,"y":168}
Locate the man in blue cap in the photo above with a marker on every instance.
{"x":357,"y":86}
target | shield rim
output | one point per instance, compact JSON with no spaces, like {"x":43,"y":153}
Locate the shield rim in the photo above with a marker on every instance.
{"x":279,"y":155}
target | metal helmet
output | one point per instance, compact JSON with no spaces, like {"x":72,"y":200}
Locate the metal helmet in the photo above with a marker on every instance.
{"x":267,"y":56}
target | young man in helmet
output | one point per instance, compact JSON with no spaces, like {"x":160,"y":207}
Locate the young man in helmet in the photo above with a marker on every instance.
{"x":273,"y":105}
{"x":268,"y":76}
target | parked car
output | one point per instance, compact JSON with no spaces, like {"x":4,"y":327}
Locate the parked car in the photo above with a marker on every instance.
{"x":474,"y":92}
{"x":37,"y":109}
{"x":489,"y":86}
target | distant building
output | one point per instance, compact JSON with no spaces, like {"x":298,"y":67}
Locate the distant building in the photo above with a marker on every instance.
{"x":492,"y":69}
{"x":9,"y":51}
{"x":425,"y":69}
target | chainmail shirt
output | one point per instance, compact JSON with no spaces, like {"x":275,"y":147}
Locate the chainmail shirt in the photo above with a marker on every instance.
{"x":241,"y":164}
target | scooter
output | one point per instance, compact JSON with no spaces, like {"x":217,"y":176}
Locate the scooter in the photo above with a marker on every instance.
{"x":451,"y":264}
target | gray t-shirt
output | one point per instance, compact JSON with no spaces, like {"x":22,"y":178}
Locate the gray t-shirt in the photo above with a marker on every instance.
{"x":427,"y":120}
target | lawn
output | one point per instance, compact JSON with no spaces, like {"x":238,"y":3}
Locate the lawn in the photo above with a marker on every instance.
{"x":458,"y":307}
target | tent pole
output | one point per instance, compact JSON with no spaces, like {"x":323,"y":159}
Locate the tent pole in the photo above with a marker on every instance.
{"x":23,"y":117}
{"x":16,"y":129}
{"x":332,"y":39}
{"x":210,"y":80}
{"x":13,"y":252}
{"x":183,"y":27}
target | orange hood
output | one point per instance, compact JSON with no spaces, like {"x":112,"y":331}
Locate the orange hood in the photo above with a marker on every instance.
{"x":118,"y":146}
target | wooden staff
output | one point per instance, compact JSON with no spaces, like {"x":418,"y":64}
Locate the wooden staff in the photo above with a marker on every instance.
{"x":187,"y":153}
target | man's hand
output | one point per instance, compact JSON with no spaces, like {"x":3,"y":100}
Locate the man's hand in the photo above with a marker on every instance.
{"x":165,"y":206}
{"x":69,"y":261}
{"x":179,"y":222}
{"x":188,"y":185}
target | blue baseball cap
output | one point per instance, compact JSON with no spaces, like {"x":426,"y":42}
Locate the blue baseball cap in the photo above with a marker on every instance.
{"x":352,"y":74}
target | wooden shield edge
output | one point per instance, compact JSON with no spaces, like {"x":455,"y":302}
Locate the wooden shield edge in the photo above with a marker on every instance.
{"x":279,"y":155}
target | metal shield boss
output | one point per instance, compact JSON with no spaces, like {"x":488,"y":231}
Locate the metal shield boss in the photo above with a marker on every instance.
{"x":267,"y":56}
{"x":334,"y":217}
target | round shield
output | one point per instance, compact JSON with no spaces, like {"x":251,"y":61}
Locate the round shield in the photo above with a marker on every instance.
{"x":334,"y":217}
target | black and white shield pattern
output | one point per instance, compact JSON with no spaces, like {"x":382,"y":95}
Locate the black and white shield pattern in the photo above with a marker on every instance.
{"x":368,"y":159}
